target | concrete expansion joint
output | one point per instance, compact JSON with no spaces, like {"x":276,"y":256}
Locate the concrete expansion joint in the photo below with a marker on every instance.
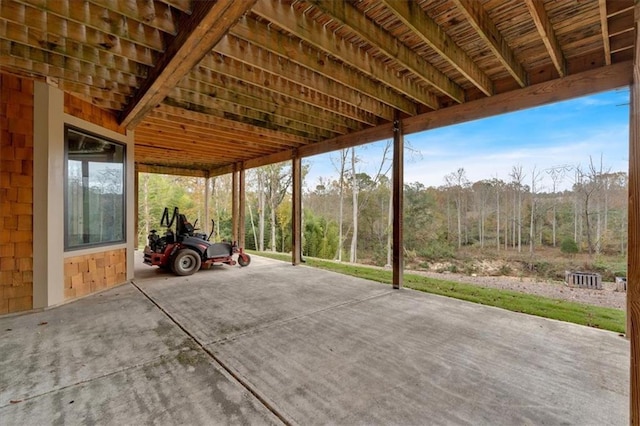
{"x":258,"y":329}
{"x":217,"y":361}
{"x":91,"y":379}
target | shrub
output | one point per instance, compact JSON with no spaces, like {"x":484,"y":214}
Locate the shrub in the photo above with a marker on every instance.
{"x":568,"y":246}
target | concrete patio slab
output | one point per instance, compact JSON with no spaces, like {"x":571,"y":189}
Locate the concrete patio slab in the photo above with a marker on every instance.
{"x":272,"y":342}
{"x":113,"y":358}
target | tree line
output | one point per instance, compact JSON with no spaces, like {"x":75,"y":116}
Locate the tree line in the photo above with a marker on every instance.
{"x":348,"y":216}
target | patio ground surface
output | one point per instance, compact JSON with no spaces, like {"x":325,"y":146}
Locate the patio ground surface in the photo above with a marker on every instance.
{"x":273,"y":343}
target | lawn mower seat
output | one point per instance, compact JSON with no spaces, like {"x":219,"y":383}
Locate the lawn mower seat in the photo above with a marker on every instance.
{"x":184,"y":227}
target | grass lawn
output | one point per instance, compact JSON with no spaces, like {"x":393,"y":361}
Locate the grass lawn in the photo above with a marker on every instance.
{"x":578,"y":313}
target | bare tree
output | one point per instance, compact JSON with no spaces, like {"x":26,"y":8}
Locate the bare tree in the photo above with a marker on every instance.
{"x":517,"y":178}
{"x":341,"y":172}
{"x":457,"y":181}
{"x":535,"y":183}
{"x":557,"y":174}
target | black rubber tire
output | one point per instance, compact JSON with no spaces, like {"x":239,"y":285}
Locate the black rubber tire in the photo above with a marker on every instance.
{"x":186,"y":262}
{"x":244,"y":260}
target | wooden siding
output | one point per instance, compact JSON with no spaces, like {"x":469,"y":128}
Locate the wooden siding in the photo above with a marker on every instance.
{"x":16,"y":194}
{"x":86,"y":274}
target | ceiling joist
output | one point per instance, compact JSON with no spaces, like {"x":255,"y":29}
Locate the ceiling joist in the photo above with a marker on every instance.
{"x":487,"y":30}
{"x":412,"y":16}
{"x":313,"y":34}
{"x":548,"y":35}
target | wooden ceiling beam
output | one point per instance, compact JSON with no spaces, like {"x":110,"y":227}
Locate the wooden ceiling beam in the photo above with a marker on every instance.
{"x":232,"y":90}
{"x":479,"y":19}
{"x":548,"y":35}
{"x":93,"y":16}
{"x":576,"y":85}
{"x":214,"y":131}
{"x":373,"y":34}
{"x":210,"y":138}
{"x":181,"y":114}
{"x":315,"y":35}
{"x":604,"y":23}
{"x":203,"y":104}
{"x":258,"y":110}
{"x":169,"y":170}
{"x":411,"y":14}
{"x":203,"y":29}
{"x":342,"y":82}
{"x":154,"y":14}
{"x":222,"y":69}
{"x":250,"y":64}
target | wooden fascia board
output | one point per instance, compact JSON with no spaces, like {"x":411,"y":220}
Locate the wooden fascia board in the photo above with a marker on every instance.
{"x":479,"y":19}
{"x":169,"y":170}
{"x":545,"y":29}
{"x":582,"y":84}
{"x":203,"y":29}
{"x":315,"y":35}
{"x":414,"y":17}
{"x":593,"y":81}
{"x":386,"y":43}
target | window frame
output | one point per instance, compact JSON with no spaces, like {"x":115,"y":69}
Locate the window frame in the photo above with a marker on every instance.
{"x":67,"y":246}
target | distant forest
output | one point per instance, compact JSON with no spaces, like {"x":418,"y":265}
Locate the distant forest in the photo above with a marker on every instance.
{"x":347,"y":216}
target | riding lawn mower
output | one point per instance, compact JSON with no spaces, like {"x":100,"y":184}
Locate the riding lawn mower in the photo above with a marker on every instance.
{"x":185,"y":251}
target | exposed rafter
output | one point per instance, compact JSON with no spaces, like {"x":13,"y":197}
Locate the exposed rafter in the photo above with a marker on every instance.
{"x":198,"y":33}
{"x":343,"y":82}
{"x":545,"y":29}
{"x":349,"y":16}
{"x":224,"y":68}
{"x":412,"y":16}
{"x":487,"y":30}
{"x":604,"y":23}
{"x":312,"y":33}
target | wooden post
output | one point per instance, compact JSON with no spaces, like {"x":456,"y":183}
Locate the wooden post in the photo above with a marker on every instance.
{"x":136,"y":189}
{"x":633,"y":255}
{"x":206,"y":219}
{"x":398,"y":187}
{"x":296,"y":211}
{"x":234,"y":204}
{"x":241,"y":206}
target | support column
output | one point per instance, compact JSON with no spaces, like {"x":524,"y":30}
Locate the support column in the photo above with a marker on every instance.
{"x":241,"y":206}
{"x":398,"y":187}
{"x":234,"y":204}
{"x":633,"y":255}
{"x":206,"y":218}
{"x":136,"y":205}
{"x":296,"y":211}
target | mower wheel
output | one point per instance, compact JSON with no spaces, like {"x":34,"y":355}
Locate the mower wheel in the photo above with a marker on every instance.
{"x":244,"y":260}
{"x":186,"y":262}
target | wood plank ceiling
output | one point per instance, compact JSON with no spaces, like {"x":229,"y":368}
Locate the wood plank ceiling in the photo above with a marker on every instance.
{"x":206,"y":85}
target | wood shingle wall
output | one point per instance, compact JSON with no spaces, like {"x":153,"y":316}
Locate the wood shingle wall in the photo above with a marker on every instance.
{"x":16,"y":194}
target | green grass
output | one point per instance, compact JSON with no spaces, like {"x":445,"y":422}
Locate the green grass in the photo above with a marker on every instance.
{"x":578,"y":313}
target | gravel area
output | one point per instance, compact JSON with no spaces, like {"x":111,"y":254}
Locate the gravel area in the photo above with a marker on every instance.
{"x":607,"y":297}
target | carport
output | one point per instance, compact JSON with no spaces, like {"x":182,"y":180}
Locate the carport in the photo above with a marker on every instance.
{"x":205,"y":88}
{"x":272,"y":343}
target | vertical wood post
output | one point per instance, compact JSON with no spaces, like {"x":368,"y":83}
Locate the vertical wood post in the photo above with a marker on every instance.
{"x":234,"y":204}
{"x":241,"y":206}
{"x":633,"y":255}
{"x":296,"y":211}
{"x":136,"y":205}
{"x":207,"y":218}
{"x":398,"y":187}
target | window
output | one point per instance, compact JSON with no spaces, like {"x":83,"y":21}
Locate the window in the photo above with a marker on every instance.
{"x":94,"y":196}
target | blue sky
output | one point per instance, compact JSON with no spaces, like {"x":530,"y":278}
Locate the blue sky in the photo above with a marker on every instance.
{"x":564,"y":133}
